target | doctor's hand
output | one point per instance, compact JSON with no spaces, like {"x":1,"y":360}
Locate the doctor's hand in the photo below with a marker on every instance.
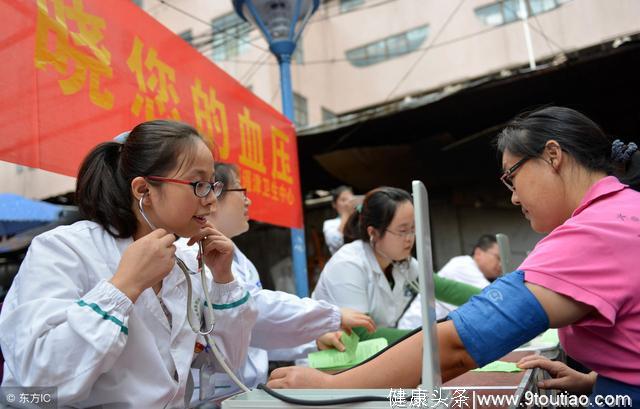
{"x":145,"y":263}
{"x":330,"y":340}
{"x":564,"y":378}
{"x":218,"y":252}
{"x":352,"y":318}
{"x":299,"y":377}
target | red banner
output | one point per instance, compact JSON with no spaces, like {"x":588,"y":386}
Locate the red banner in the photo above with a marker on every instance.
{"x":79,"y":72}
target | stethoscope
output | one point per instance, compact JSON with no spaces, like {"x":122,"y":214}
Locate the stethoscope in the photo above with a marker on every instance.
{"x":208,"y":311}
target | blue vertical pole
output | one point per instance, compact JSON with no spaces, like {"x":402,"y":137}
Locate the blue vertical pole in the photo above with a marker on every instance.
{"x":297,"y":235}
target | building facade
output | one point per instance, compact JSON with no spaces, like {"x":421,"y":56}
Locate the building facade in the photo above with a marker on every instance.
{"x":360,"y":53}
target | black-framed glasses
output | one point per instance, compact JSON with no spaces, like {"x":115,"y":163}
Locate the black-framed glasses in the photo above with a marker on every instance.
{"x":238,"y":189}
{"x":200,"y":189}
{"x":507,"y":176}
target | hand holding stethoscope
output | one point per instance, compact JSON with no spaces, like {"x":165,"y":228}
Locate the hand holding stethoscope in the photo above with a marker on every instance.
{"x":217,"y":250}
{"x":145,"y":263}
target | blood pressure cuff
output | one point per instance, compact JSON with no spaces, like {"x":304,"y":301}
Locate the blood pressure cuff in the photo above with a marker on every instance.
{"x":504,"y":316}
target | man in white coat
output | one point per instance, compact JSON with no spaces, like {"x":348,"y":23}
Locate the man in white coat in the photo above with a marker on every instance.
{"x":479,"y":269}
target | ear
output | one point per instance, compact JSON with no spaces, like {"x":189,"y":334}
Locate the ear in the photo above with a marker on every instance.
{"x":371,"y":232}
{"x":554,"y":153}
{"x":139,"y":187}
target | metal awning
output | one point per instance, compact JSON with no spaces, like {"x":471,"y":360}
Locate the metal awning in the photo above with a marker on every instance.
{"x":447,"y":133}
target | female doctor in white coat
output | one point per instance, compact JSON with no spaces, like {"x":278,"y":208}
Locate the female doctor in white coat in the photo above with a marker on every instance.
{"x":374,"y":272}
{"x":98,"y":308}
{"x":287,"y":327}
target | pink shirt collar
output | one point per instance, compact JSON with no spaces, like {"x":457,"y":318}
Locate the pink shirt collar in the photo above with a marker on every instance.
{"x":603,"y":187}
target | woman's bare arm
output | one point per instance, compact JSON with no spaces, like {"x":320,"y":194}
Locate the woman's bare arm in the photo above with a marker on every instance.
{"x":399,"y":367}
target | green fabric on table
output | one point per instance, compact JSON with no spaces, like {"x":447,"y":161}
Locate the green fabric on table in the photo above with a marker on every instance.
{"x":390,"y":334}
{"x":453,"y":292}
{"x":499,"y":366}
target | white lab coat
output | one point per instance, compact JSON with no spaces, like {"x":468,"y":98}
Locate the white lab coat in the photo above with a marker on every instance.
{"x":286,"y":328}
{"x":333,"y":237}
{"x":63,"y":324}
{"x":465,"y":270}
{"x":353,"y":278}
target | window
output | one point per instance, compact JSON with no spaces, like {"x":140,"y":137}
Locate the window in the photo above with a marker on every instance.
{"x":348,"y":5}
{"x":300,"y":113}
{"x":230,"y":36}
{"x":511,"y":10}
{"x":491,"y":15}
{"x":540,"y":6}
{"x":328,"y":115}
{"x":138,"y":3}
{"x":187,"y":36}
{"x":388,"y":48}
{"x":507,"y":11}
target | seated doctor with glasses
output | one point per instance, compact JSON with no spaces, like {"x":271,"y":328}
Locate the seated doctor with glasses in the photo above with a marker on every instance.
{"x":374,"y":271}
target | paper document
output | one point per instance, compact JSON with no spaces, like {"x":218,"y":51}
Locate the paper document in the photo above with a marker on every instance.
{"x":355,"y":352}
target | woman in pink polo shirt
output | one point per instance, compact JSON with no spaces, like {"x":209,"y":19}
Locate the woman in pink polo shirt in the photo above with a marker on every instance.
{"x":583,"y":277}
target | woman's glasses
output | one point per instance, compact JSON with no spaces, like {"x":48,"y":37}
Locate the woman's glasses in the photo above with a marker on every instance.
{"x":404,"y":234}
{"x":240,"y":189}
{"x":507,"y":176}
{"x":200,"y":188}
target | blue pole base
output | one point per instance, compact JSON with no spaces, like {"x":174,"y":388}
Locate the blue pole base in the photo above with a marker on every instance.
{"x":299,"y":262}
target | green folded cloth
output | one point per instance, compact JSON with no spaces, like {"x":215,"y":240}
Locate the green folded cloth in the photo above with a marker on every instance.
{"x":355,"y":352}
{"x":499,"y":366}
{"x":453,"y":292}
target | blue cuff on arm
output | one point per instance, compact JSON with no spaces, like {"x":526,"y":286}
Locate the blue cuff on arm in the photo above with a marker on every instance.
{"x":502,"y":317}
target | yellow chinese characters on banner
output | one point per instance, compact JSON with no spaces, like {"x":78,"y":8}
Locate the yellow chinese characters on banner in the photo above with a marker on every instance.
{"x":251,"y":148}
{"x":278,"y":187}
{"x":156,"y":81}
{"x":281,"y":161}
{"x":211,"y":118}
{"x":76,"y":53}
{"x":78,"y":72}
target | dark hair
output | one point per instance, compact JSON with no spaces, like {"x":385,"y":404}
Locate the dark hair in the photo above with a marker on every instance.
{"x":103,"y":189}
{"x":579,"y":136}
{"x":225,"y":173}
{"x":484,"y":243}
{"x":335,"y":193}
{"x":377,"y":210}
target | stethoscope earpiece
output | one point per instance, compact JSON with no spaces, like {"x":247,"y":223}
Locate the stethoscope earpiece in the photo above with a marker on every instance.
{"x":144,"y":216}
